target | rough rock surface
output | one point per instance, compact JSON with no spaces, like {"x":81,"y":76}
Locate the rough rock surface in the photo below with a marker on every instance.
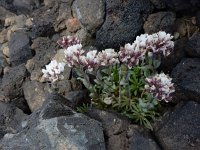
{"x":35,"y":94}
{"x":180,"y":128}
{"x":56,"y":126}
{"x":159,"y":4}
{"x":120,"y":134}
{"x":91,"y":18}
{"x":44,"y":50}
{"x":11,"y":86}
{"x":183,"y":5}
{"x":161,"y":21}
{"x":141,"y":139}
{"x":169,"y":62}
{"x":43,"y":20}
{"x":10,"y":119}
{"x":186,"y":76}
{"x":193,"y":46}
{"x":123,"y":22}
{"x":19,"y":48}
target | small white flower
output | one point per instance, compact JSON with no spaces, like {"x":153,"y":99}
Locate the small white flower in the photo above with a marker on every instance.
{"x":53,"y":70}
{"x":107,"y":100}
{"x":160,"y":86}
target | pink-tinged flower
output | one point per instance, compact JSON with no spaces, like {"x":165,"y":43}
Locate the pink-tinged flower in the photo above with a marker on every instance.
{"x":73,"y":54}
{"x":131,"y":54}
{"x":108,"y":57}
{"x":160,"y":86}
{"x":53,"y":71}
{"x":90,"y":61}
{"x":68,"y":41}
{"x":157,"y":43}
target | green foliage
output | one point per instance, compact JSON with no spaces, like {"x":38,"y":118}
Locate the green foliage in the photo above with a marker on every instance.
{"x":83,"y":108}
{"x":124,"y":88}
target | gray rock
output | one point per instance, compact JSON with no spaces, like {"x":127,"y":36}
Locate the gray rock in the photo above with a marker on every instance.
{"x":43,"y":20}
{"x":4,"y":13}
{"x":45,"y":49}
{"x":25,"y":6}
{"x":180,"y":128}
{"x":124,"y":21}
{"x":183,"y":5}
{"x":10,"y":119}
{"x":198,"y":19}
{"x":186,"y":76}
{"x":65,"y":13}
{"x":19,"y":48}
{"x":56,"y":127}
{"x":91,"y":18}
{"x":159,"y":4}
{"x":161,"y":21}
{"x":141,"y":139}
{"x":113,"y":124}
{"x":193,"y":46}
{"x":11,"y":86}
{"x":35,"y":94}
{"x":21,"y":103}
{"x":169,"y":62}
{"x":77,"y":97}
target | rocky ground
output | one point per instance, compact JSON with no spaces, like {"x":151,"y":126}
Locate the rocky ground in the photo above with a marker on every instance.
{"x":33,"y":116}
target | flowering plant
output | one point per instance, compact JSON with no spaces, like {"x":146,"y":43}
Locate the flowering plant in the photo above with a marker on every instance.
{"x":126,"y":81}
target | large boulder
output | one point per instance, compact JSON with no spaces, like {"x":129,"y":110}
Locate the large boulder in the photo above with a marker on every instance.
{"x":124,"y":21}
{"x":19,"y":48}
{"x":160,"y":21}
{"x":183,"y":5}
{"x":56,"y":127}
{"x":10,"y":119}
{"x":193,"y":46}
{"x":186,"y":76}
{"x":120,"y":134}
{"x":179,"y":129}
{"x":11,"y":86}
{"x":91,"y":18}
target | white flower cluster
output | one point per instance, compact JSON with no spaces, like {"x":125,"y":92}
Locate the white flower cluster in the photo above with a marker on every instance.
{"x":131,"y":54}
{"x":73,"y":55}
{"x":53,"y":71}
{"x":158,"y":43}
{"x":108,"y":57}
{"x":160,"y":86}
{"x":76,"y":57}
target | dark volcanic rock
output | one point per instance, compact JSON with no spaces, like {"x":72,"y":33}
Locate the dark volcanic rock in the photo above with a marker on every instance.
{"x":19,"y":48}
{"x":11,"y":86}
{"x":169,"y":62}
{"x":198,"y":18}
{"x":35,"y":94}
{"x":159,"y":4}
{"x":56,"y":126}
{"x":161,"y":21}
{"x":43,"y":20}
{"x":25,"y":6}
{"x":124,"y":21}
{"x":44,"y":50}
{"x":91,"y":18}
{"x":10,"y":119}
{"x":113,"y":124}
{"x":141,"y":139}
{"x":193,"y":46}
{"x":180,"y":128}
{"x":183,"y":5}
{"x":78,"y":97}
{"x":186,"y":76}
